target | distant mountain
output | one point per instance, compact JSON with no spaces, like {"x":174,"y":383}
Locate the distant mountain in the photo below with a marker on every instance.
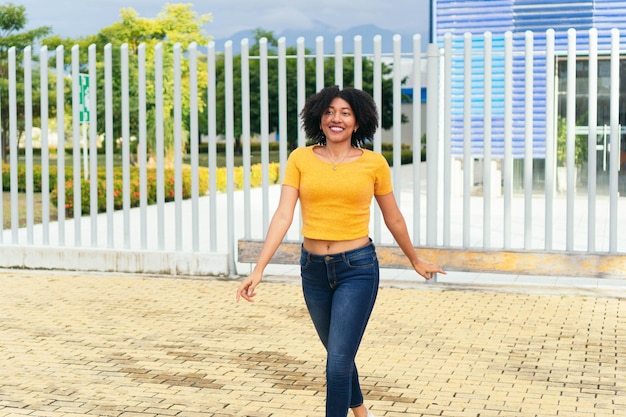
{"x":367,"y":33}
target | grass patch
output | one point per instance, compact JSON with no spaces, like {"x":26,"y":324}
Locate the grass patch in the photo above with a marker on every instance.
{"x":21,"y":197}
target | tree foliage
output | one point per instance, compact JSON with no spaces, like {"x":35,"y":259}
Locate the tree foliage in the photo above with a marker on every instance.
{"x":291,"y":70}
{"x":13,"y":19}
{"x":176,"y":24}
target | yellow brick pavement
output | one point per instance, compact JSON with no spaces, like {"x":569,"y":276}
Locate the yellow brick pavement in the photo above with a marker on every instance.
{"x":106,"y":345}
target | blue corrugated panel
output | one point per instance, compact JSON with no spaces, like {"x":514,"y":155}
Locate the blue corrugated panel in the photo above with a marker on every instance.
{"x":538,"y":15}
{"x":518,"y":16}
{"x":609,"y":14}
{"x":458,"y":17}
{"x":478,"y":98}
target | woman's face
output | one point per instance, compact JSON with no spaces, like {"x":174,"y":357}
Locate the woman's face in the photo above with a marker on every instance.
{"x":338,"y":121}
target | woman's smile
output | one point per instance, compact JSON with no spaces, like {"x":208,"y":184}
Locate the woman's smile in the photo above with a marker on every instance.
{"x":338,"y":120}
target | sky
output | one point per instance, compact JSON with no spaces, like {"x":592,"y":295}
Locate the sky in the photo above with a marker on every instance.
{"x":75,"y":18}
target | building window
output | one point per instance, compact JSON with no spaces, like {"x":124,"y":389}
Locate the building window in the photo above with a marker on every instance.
{"x":603,"y":150}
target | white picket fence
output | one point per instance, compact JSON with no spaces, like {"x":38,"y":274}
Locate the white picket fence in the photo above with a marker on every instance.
{"x":199,"y":235}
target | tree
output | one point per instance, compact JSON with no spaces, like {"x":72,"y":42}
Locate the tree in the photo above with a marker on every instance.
{"x":12,"y":21}
{"x":292,"y":105}
{"x":580,"y":144}
{"x":175,"y":24}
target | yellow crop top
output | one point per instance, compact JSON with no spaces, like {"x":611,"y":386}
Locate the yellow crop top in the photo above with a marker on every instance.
{"x":335,"y":204}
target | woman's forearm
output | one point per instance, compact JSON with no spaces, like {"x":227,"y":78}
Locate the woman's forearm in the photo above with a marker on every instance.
{"x":275,"y":235}
{"x":400,"y":234}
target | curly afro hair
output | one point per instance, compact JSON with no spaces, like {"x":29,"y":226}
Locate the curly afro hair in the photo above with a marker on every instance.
{"x":362,"y":104}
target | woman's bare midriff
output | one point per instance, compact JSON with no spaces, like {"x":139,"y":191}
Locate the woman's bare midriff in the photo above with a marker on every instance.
{"x":325,"y":247}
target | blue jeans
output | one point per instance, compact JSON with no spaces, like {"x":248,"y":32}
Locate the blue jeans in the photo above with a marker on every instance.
{"x":340,"y":291}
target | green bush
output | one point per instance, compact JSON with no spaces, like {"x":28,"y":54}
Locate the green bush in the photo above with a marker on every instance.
{"x":220,"y":147}
{"x":21,"y":178}
{"x":580,"y":145}
{"x":151,"y":185}
{"x":406,"y":156}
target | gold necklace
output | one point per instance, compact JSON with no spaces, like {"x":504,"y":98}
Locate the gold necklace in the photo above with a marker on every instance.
{"x":333,"y":161}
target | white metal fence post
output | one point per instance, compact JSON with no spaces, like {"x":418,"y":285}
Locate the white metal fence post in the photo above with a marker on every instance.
{"x":60,"y":109}
{"x":487,"y":150}
{"x":319,"y":63}
{"x":45,"y":149}
{"x":378,"y":99}
{"x":178,"y":145}
{"x":108,"y":138}
{"x":592,"y":140}
{"x":615,"y":139}
{"x":142,"y":145}
{"x":507,"y":162}
{"x":339,"y":61}
{"x":125,"y":91}
{"x":468,"y":180}
{"x":159,"y":139}
{"x":571,"y":136}
{"x":550,"y":164}
{"x":283,"y":135}
{"x":432,"y":143}
{"x":76,"y":187}
{"x":230,"y":149}
{"x":445,"y":103}
{"x":528,"y":138}
{"x":193,"y":145}
{"x":212,"y":137}
{"x":245,"y":137}
{"x":93,"y":146}
{"x":28,"y":133}
{"x":397,"y":117}
{"x":417,"y":136}
{"x":265,"y":121}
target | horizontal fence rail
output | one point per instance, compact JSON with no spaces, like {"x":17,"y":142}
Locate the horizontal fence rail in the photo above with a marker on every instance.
{"x":490,"y":127}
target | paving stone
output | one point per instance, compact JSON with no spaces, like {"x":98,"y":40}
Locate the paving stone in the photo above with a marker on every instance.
{"x":124,"y":346}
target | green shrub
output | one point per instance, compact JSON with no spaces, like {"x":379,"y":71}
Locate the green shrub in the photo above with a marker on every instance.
{"x":406,"y":156}
{"x":151,"y":185}
{"x":21,"y":178}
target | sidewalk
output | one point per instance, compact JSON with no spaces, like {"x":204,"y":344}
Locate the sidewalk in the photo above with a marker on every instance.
{"x":105,"y":345}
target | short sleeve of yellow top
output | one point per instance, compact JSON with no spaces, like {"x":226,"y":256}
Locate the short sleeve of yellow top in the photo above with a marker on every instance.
{"x":335,"y":200}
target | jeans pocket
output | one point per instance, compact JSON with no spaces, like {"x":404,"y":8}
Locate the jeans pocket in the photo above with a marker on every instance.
{"x":365,"y":259}
{"x":305,"y":263}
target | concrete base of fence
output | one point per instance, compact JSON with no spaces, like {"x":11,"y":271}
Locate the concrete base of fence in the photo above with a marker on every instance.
{"x":99,"y":260}
{"x":568,"y":264}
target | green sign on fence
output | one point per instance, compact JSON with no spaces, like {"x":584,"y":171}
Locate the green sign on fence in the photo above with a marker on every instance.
{"x":84,"y":97}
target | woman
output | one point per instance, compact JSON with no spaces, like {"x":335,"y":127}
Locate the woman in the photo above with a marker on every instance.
{"x":335,"y":180}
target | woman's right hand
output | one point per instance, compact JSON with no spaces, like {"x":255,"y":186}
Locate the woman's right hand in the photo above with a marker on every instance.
{"x":278,"y":228}
{"x":247,"y":287}
{"x":426,"y":269}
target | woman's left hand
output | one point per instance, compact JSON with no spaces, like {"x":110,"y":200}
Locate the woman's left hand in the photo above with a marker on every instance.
{"x":427,"y":269}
